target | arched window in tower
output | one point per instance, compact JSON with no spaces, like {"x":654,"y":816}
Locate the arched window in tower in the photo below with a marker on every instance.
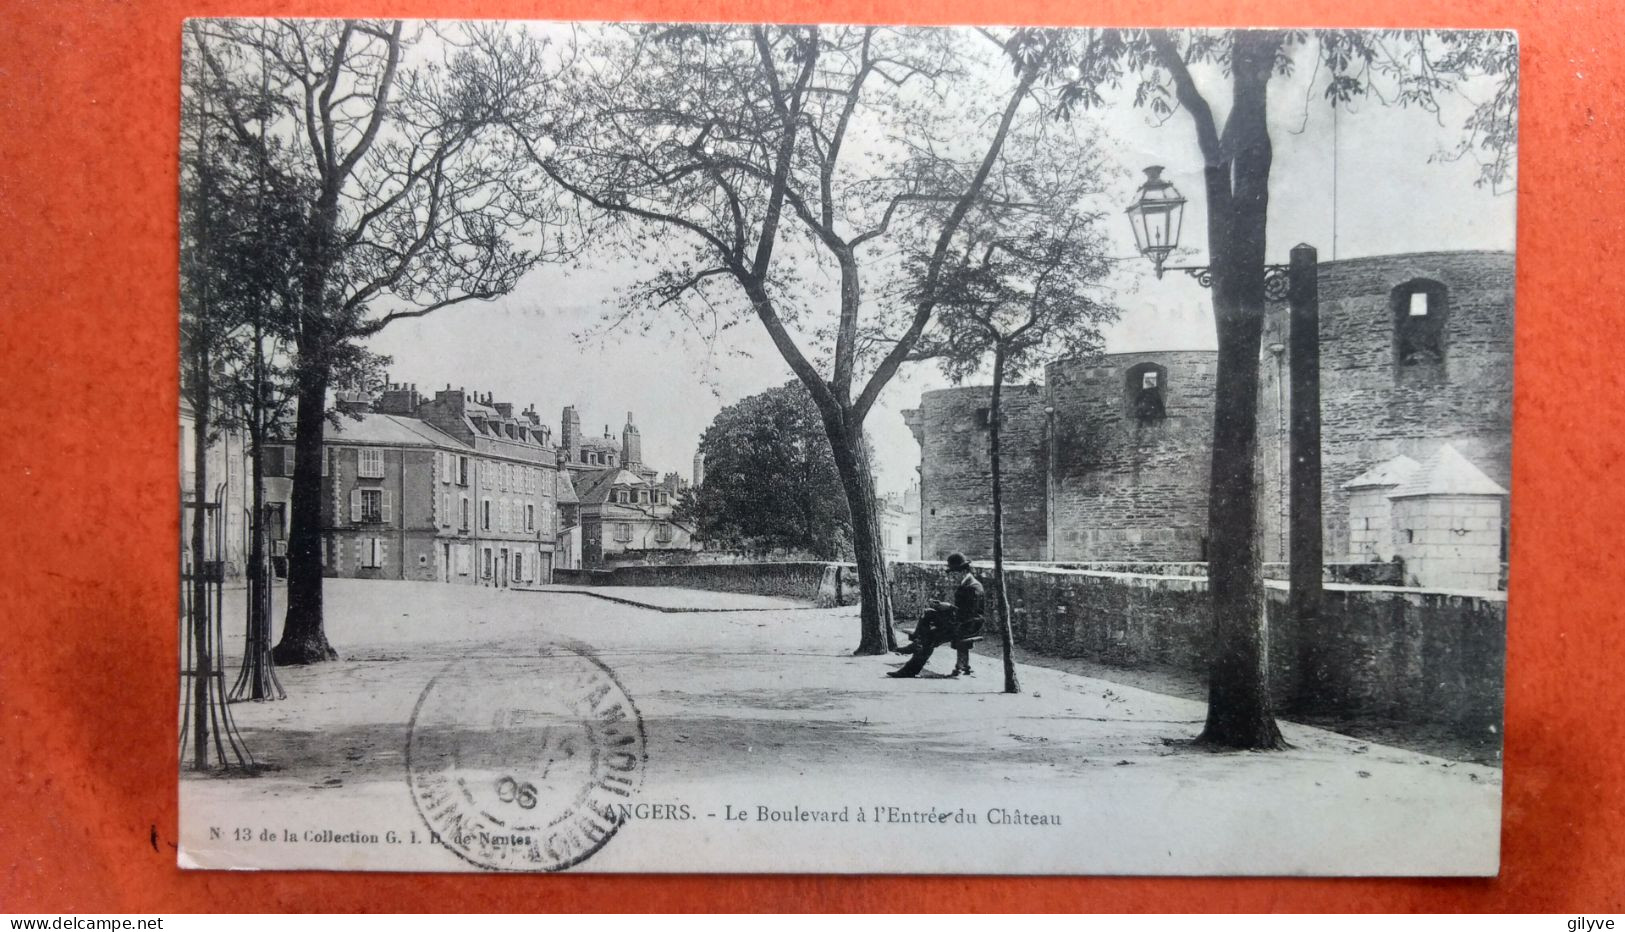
{"x":1146,"y":387}
{"x":1421,"y":309}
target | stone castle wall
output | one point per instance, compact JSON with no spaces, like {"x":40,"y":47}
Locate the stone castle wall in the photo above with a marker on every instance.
{"x":1108,"y":484}
{"x":1373,"y":408}
{"x":1126,"y":487}
{"x":956,"y":474}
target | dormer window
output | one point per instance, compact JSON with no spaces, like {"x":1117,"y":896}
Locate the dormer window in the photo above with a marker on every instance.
{"x":1146,"y":383}
{"x":1420,"y":309}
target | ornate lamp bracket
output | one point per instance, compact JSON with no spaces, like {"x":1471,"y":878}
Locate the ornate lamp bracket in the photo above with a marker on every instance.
{"x":1275,"y":278}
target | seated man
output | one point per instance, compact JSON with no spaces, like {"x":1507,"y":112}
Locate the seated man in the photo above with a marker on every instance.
{"x":946,"y":621}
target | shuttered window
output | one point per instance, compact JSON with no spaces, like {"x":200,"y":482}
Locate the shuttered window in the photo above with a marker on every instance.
{"x":371,"y":464}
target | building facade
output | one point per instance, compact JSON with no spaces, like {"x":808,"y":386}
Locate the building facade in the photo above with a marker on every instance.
{"x":1112,"y":455}
{"x":455,"y":489}
{"x":625,"y":509}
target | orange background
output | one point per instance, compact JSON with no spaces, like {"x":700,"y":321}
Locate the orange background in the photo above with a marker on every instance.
{"x":88,"y":117}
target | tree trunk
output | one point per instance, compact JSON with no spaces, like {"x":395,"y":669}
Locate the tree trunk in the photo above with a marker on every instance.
{"x":857,"y":481}
{"x":1001,"y":602}
{"x":259,"y":580}
{"x":1240,"y":713}
{"x":259,"y":624}
{"x":200,"y":569}
{"x":304,"y":637}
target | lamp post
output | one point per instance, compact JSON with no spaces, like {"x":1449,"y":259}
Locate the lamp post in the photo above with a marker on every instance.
{"x":1278,"y":350}
{"x":1157,"y":215}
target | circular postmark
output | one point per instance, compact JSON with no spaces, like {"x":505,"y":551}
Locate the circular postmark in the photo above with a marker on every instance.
{"x":518,"y":763}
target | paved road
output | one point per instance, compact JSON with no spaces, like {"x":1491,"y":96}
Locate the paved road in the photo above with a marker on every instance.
{"x":751,"y":709}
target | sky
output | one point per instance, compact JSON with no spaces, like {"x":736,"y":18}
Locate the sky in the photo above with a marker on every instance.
{"x":544,"y":344}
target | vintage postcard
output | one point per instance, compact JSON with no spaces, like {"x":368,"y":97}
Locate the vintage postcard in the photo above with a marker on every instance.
{"x":838,"y":448}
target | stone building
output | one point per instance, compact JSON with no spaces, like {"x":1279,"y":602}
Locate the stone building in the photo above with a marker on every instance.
{"x":624,"y":506}
{"x":455,"y":489}
{"x":1111,"y":457}
{"x":226,"y":469}
{"x":900,"y":524}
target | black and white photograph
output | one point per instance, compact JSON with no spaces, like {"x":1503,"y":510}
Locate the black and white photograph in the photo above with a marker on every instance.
{"x":829,"y":448}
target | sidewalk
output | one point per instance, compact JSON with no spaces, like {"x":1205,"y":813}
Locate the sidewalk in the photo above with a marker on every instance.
{"x":767,"y":709}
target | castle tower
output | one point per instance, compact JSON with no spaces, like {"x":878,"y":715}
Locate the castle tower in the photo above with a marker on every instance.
{"x":631,"y":445}
{"x":699,"y":468}
{"x":570,"y":435}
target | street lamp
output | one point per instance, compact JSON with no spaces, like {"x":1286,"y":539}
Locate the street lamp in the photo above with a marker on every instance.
{"x":1157,"y":217}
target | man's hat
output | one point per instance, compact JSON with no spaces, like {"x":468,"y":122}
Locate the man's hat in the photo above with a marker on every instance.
{"x":957,"y":561}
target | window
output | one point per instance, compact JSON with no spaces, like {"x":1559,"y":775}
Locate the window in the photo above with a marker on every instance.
{"x":372,"y":552}
{"x":445,"y":509}
{"x":623,"y":532}
{"x":665,"y":498}
{"x":327,"y":455}
{"x":502,"y":476}
{"x":1144,"y":388}
{"x":1421,"y":309}
{"x":518,"y":566}
{"x":984,"y":417}
{"x":370,"y":506}
{"x":485,"y":562}
{"x":530,"y":517}
{"x":324,"y":551}
{"x":287,"y":461}
{"x":485,"y":515}
{"x":663,"y":533}
{"x":464,"y":524}
{"x":643,"y":496}
{"x":462,"y":475}
{"x":448,"y":465}
{"x":371,"y":465}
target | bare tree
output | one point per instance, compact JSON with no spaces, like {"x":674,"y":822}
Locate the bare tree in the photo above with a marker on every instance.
{"x":1024,"y":287}
{"x":408,"y":210}
{"x":754,"y":163}
{"x":1166,"y":70}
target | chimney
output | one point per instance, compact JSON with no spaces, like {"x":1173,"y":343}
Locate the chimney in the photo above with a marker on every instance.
{"x":504,"y":408}
{"x":400,"y":398}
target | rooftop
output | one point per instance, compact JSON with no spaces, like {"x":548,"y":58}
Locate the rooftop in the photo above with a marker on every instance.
{"x":1446,"y":472}
{"x":391,"y":429}
{"x":1389,"y":473}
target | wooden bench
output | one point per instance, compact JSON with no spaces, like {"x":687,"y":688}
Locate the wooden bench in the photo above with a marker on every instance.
{"x":963,"y":647}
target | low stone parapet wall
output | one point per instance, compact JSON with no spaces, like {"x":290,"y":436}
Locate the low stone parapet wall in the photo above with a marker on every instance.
{"x":1376,"y":652}
{"x":812,"y":581}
